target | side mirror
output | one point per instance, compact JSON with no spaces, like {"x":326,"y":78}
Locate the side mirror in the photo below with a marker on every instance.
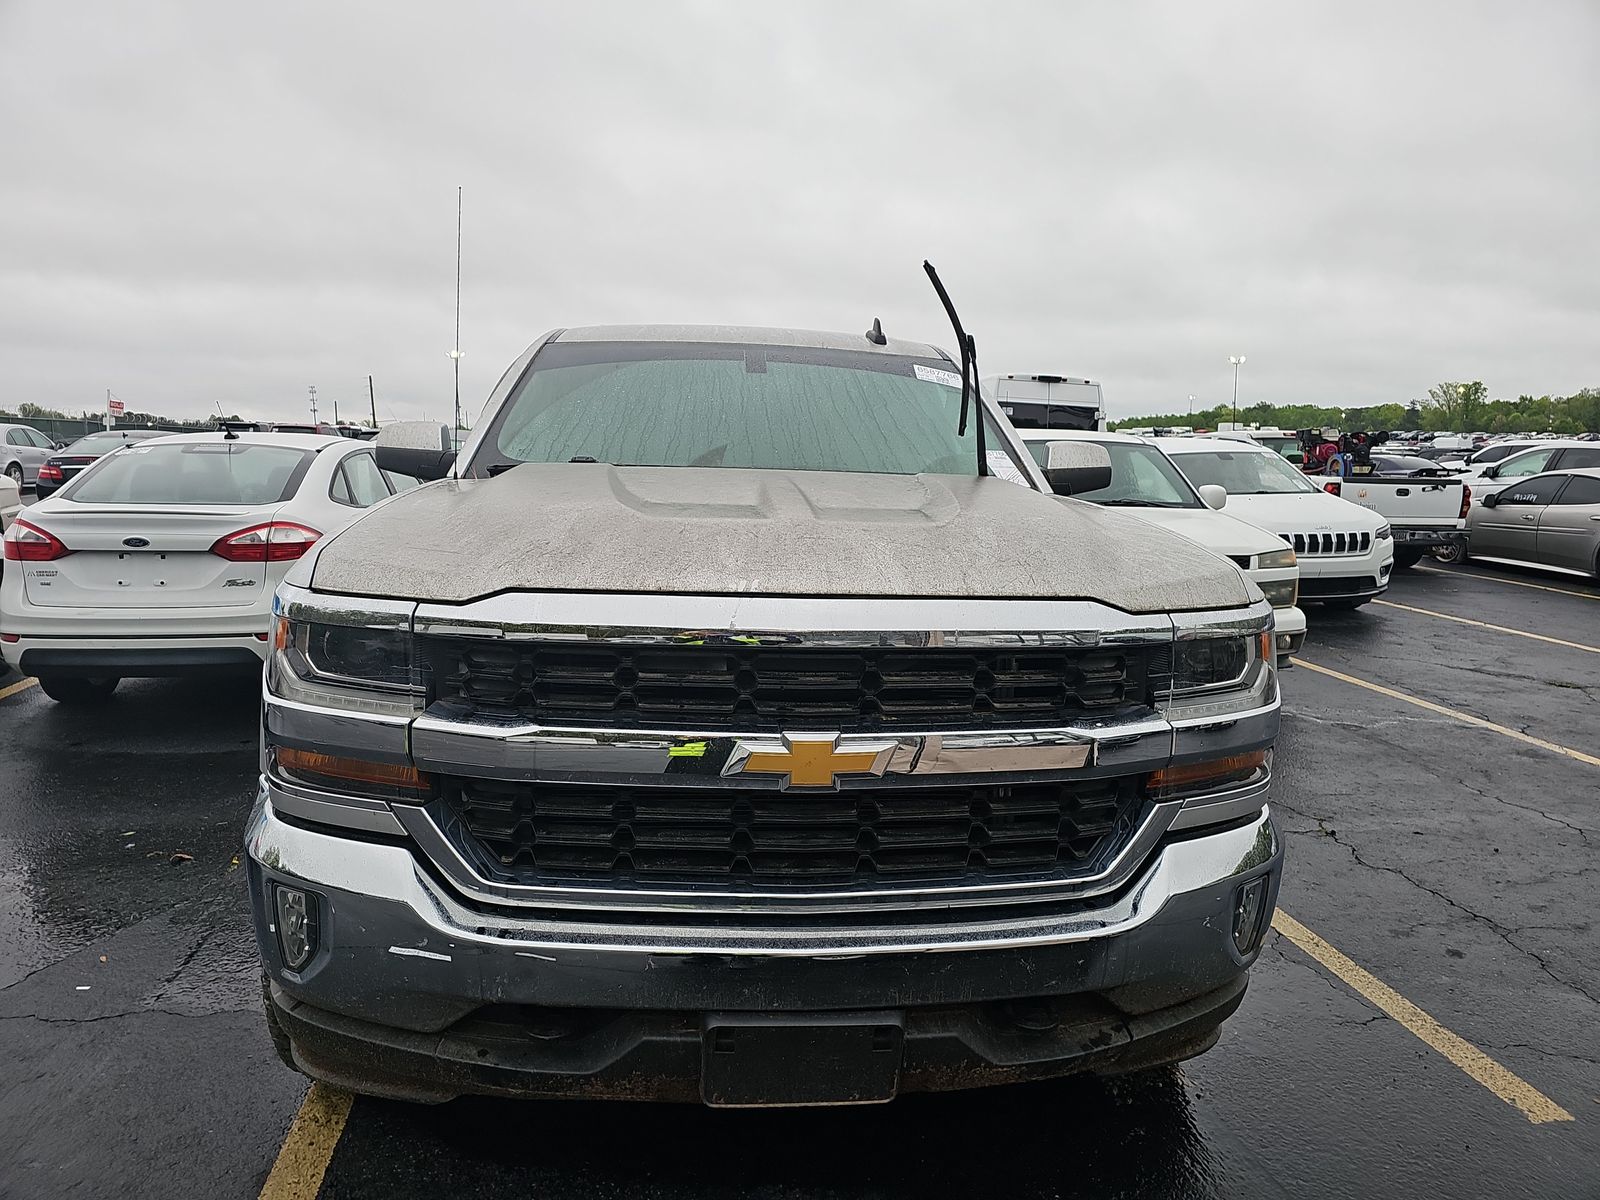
{"x":1491,"y":472}
{"x":1074,"y":467}
{"x":1492,"y":500}
{"x":422,"y":449}
{"x":1214,"y":495}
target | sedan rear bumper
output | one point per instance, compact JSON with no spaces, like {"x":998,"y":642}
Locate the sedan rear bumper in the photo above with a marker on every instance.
{"x":130,"y":643}
{"x":137,"y":658}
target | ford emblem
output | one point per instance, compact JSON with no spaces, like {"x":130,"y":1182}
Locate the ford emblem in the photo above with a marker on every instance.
{"x":136,"y":543}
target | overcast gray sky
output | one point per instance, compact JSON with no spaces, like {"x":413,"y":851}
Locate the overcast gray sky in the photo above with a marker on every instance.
{"x":216,"y":202}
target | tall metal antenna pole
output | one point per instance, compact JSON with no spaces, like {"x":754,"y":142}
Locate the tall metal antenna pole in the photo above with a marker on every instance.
{"x":455,"y":355}
{"x":313,"y":392}
{"x":372,"y":396}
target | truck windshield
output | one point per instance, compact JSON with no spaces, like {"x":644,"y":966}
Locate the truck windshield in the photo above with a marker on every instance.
{"x":1141,"y":477}
{"x":1244,"y":472}
{"x":701,"y":404}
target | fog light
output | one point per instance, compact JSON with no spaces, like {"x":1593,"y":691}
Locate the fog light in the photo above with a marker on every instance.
{"x":297,"y":924}
{"x":1285,"y":641}
{"x":1248,"y":903}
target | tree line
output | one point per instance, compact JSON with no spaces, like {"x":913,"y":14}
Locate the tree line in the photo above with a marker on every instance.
{"x":1448,"y":407}
{"x":35,"y":412}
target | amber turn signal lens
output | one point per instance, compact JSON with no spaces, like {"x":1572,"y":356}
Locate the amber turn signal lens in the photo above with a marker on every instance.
{"x":356,"y":770}
{"x":1217,"y":770}
{"x":280,"y":633}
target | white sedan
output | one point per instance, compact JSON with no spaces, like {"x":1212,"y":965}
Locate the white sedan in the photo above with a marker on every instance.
{"x":162,"y":558}
{"x":1146,"y":484}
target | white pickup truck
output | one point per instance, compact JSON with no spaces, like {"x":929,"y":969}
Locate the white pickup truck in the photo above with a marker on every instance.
{"x":1425,"y":505}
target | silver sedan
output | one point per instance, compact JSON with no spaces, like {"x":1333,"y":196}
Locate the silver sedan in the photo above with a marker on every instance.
{"x":1550,"y":520}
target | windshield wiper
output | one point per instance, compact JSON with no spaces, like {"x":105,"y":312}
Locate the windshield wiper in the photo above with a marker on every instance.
{"x":969,"y":366}
{"x":1129,"y":502}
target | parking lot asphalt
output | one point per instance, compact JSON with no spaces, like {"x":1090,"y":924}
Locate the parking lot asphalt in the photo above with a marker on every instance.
{"x":1442,"y":834}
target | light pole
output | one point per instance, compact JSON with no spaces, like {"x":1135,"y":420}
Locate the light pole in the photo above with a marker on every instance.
{"x":1191,"y":405}
{"x":1238,"y":361}
{"x":313,"y":392}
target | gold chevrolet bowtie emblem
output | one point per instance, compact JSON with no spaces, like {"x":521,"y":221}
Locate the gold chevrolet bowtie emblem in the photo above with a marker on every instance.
{"x":809,"y":761}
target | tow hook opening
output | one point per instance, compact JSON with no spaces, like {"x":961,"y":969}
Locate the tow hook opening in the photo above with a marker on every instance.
{"x":296,"y":926}
{"x":1249,"y":905}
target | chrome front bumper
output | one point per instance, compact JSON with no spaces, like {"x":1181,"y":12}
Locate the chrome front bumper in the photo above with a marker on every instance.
{"x":397,"y":948}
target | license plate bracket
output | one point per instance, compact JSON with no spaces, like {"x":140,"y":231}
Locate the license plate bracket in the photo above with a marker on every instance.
{"x":760,"y":1060}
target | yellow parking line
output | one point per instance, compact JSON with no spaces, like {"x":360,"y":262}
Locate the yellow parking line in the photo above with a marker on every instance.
{"x":7,"y":692}
{"x":1538,"y":587}
{"x":308,"y":1148}
{"x":1518,"y":1093}
{"x":1538,"y":637}
{"x":1516,"y":734}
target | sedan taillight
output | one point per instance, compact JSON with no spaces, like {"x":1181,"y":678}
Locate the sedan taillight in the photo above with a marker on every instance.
{"x":50,"y":473}
{"x":26,"y":542}
{"x":1332,"y":487}
{"x":276,"y":541}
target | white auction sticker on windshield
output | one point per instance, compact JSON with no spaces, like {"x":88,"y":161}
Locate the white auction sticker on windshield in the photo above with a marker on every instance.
{"x":1001,"y":467}
{"x":934,"y":375}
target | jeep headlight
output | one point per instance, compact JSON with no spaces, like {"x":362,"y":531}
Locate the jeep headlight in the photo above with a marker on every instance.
{"x":1276,"y":558}
{"x":1384,"y":533}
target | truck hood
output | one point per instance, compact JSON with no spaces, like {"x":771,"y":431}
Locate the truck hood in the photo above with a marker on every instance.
{"x":591,"y":527}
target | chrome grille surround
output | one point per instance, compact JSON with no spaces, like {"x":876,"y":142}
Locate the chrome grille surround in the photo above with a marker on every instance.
{"x":509,"y":751}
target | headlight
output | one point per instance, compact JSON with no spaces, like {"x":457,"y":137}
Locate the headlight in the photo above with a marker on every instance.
{"x":1384,"y":533}
{"x":1276,"y":558}
{"x":356,"y":658}
{"x":1280,"y":593}
{"x":352,"y":655}
{"x":1206,"y":663}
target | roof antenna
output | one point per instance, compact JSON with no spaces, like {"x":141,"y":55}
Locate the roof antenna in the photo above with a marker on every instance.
{"x":969,"y":366}
{"x":875,"y":334}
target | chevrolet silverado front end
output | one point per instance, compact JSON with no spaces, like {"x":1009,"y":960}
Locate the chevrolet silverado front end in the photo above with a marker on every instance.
{"x":602,"y":769}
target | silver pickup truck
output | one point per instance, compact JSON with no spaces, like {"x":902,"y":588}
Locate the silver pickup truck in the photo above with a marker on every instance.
{"x":725,"y":725}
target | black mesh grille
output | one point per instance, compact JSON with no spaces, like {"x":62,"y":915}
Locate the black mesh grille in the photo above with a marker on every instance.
{"x":743,"y":688}
{"x":543,"y":832}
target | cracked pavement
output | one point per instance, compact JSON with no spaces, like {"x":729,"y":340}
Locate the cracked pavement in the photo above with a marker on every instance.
{"x":1457,"y":866}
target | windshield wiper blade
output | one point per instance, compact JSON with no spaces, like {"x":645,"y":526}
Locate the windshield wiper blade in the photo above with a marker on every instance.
{"x":969,"y":366}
